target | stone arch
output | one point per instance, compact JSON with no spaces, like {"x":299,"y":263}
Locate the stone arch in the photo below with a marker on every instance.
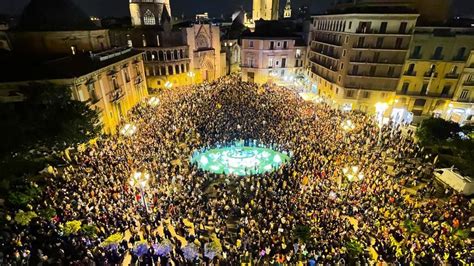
{"x":161,"y":56}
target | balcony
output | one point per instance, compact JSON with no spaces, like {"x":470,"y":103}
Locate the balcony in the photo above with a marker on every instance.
{"x":430,"y":74}
{"x":459,"y":58}
{"x":367,"y":75}
{"x":410,"y":73}
{"x":116,"y":94}
{"x":429,"y":94}
{"x":326,"y":54}
{"x":329,"y":67}
{"x":328,"y":42}
{"x":376,"y":47}
{"x":380,"y":61}
{"x":416,"y":56}
{"x":468,"y":83}
{"x":437,"y":57}
{"x":452,"y":76}
{"x":138,"y":80}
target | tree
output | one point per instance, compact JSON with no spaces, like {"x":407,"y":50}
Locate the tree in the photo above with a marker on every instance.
{"x":302,"y":233}
{"x":48,"y":116}
{"x":354,"y":248}
{"x":434,"y":131}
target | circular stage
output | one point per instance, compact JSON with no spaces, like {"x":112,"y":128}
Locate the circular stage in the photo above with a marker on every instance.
{"x":239,"y":160}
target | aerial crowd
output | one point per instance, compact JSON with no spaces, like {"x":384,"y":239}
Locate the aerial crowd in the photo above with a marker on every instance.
{"x":342,"y":198}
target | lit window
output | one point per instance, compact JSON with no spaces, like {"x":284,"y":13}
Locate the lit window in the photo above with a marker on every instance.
{"x":149,"y":18}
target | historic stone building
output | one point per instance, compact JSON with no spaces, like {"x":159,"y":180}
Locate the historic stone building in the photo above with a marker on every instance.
{"x":266,"y":9}
{"x":174,"y":55}
{"x":148,"y":12}
{"x":287,"y":10}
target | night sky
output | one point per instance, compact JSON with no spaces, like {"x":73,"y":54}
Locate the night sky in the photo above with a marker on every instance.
{"x":191,"y":7}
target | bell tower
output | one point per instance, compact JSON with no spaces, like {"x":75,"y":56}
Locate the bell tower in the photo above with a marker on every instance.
{"x":287,"y":11}
{"x":148,"y":12}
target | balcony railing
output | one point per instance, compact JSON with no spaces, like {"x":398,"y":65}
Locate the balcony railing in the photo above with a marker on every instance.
{"x":468,"y":83}
{"x":437,"y":57}
{"x":367,"y":75}
{"x":378,"y":47}
{"x":327,"y":66}
{"x":380,"y":61}
{"x":329,"y":42}
{"x":430,"y":74}
{"x":424,"y":94}
{"x":248,"y":66}
{"x":116,"y":94}
{"x":410,"y":73}
{"x":415,"y":56}
{"x":452,"y":75}
{"x":459,"y":58}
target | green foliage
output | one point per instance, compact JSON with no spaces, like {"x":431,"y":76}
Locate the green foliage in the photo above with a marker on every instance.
{"x":302,"y":233}
{"x":90,"y":230}
{"x":71,"y":227}
{"x":47,"y":213}
{"x":411,"y":227}
{"x":354,"y":248}
{"x":48,"y":115}
{"x":23,"y":195}
{"x":436,"y":130}
{"x":24,"y":218}
{"x":462,"y":234}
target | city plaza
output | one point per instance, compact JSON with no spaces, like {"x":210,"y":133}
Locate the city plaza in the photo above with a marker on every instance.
{"x":228,"y":173}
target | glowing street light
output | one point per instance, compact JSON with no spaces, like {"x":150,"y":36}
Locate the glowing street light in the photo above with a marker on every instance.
{"x":153,"y":102}
{"x":346,"y":127}
{"x":128,"y":130}
{"x":168,"y":85}
{"x":191,"y":74}
{"x":140,"y":181}
{"x":352,"y":173}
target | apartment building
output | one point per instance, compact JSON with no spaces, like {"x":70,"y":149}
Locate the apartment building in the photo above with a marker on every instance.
{"x":432,"y":71}
{"x":268,"y":59}
{"x":461,"y":108}
{"x":356,"y":59}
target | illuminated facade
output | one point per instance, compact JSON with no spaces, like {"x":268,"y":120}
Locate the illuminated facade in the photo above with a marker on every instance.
{"x":270,"y":59}
{"x":432,"y":71}
{"x":148,"y":12}
{"x":287,"y":10}
{"x":461,"y":108}
{"x":113,"y":82}
{"x":266,"y":9}
{"x":356,"y":60}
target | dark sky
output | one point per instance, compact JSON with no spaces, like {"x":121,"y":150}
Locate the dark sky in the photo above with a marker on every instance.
{"x":190,"y":7}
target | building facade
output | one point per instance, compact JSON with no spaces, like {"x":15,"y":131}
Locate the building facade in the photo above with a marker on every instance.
{"x":175,"y":56}
{"x":148,"y":12}
{"x":270,"y":59}
{"x":266,"y":9}
{"x":113,"y":82}
{"x":461,"y":108}
{"x":432,"y":71}
{"x":356,"y":60}
{"x":287,"y":10}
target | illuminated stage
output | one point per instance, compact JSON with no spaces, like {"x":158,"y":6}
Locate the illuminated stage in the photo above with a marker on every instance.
{"x":239,"y":160}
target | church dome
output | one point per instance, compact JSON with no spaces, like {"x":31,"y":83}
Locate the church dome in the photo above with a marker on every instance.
{"x":54,"y":15}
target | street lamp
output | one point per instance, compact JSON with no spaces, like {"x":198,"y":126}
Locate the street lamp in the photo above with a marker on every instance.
{"x":140,"y":181}
{"x":352,"y":174}
{"x":347,"y":126}
{"x":153,"y":102}
{"x":380,"y":109}
{"x":128,"y":130}
{"x":191,"y":75}
{"x":168,"y":85}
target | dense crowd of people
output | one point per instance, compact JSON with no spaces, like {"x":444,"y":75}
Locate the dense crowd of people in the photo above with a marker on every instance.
{"x":372,"y":218}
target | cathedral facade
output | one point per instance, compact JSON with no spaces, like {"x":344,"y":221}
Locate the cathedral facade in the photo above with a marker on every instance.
{"x":148,"y":12}
{"x":176,"y":55}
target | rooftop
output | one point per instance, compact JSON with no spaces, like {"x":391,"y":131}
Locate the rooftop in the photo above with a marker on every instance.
{"x":17,"y":68}
{"x":54,"y":15}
